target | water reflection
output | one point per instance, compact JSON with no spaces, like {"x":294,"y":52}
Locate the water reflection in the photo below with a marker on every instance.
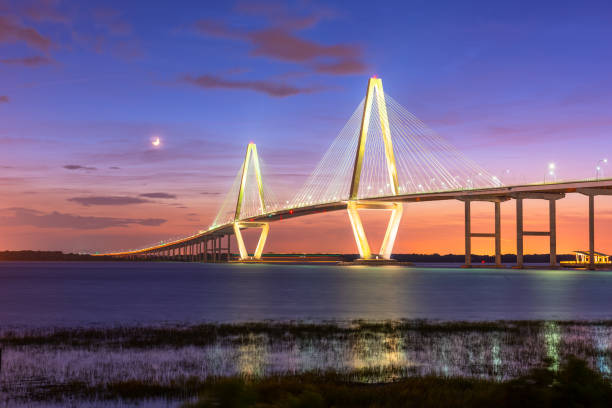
{"x":251,"y":357}
{"x":381,"y":356}
{"x":602,"y":345}
{"x":552,"y":338}
{"x":372,"y":354}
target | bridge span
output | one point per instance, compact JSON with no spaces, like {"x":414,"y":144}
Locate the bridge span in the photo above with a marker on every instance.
{"x":395,"y":160}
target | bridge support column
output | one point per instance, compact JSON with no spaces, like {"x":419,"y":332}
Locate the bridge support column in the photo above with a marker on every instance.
{"x":215,"y":249}
{"x":592,"y":192}
{"x":591,"y":231}
{"x":552,"y":225}
{"x":265,"y":228}
{"x":468,"y":228}
{"x":206,"y":250}
{"x":361,"y":240}
{"x":229,"y":243}
{"x":498,"y":233}
{"x":468,"y":234}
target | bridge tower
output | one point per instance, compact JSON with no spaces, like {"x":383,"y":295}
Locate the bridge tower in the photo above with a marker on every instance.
{"x":251,"y":156}
{"x":375,"y":90}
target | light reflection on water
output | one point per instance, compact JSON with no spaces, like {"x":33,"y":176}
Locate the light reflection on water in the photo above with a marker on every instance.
{"x":375,"y":356}
{"x":34,"y":295}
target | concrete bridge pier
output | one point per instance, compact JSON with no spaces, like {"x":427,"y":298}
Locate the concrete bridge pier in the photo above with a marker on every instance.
{"x":468,"y":228}
{"x":591,"y":193}
{"x":552,"y":220}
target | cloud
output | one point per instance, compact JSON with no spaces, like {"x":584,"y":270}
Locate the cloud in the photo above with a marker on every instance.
{"x":280,"y":15}
{"x":271,"y":88}
{"x":46,"y":10}
{"x":78,"y":167}
{"x":11,"y":30}
{"x":342,"y":67}
{"x":158,"y":195}
{"x":280,"y":41}
{"x":4,"y":99}
{"x":280,"y":44}
{"x":34,"y":218}
{"x":114,"y":168}
{"x":209,"y":193}
{"x":108,"y":200}
{"x":27,"y":61}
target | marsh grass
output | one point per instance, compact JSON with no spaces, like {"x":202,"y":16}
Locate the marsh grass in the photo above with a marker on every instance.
{"x":574,"y":384}
{"x":179,"y":362}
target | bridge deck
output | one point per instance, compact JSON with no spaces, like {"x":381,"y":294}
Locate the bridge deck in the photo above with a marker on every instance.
{"x":603,"y":186}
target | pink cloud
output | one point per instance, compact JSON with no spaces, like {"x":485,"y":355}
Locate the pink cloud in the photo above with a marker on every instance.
{"x":280,"y":42}
{"x":271,"y":88}
{"x":12,"y":30}
{"x":342,"y":67}
{"x":4,"y":99}
{"x":46,"y":10}
{"x":38,"y":219}
{"x":27,"y":61}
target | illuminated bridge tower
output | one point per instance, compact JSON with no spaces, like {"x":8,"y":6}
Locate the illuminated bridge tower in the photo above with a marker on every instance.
{"x":375,"y":90}
{"x":251,"y":156}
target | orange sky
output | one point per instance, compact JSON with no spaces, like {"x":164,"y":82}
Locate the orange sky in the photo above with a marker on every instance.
{"x":426,"y":227}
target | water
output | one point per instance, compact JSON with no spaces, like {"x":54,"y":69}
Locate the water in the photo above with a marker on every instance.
{"x":77,"y":294}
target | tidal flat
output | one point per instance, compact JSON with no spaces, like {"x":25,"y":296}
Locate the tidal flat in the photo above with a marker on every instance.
{"x":170,"y":364}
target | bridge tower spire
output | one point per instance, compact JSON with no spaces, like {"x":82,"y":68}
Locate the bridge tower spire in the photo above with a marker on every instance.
{"x":375,"y":90}
{"x":250,"y":157}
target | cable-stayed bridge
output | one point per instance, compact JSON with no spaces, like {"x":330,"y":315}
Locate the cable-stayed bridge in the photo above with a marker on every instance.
{"x":383,"y":157}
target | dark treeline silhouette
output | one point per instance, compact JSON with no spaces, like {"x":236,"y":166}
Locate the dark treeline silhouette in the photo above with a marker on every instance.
{"x":433,"y":258}
{"x":460,"y":258}
{"x":48,"y":256}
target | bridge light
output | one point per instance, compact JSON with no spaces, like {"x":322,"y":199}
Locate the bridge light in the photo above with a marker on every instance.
{"x":551,"y":166}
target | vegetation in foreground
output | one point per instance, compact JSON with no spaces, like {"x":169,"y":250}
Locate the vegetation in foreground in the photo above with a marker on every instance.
{"x":574,"y":384}
{"x":147,"y":337}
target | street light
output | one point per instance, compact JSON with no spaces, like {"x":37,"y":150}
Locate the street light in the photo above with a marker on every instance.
{"x":551,"y":171}
{"x":599,"y":168}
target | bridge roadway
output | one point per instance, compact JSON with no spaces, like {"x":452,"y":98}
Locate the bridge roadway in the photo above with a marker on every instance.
{"x":547,"y":191}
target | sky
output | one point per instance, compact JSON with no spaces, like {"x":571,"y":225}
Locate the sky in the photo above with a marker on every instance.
{"x":85,"y":87}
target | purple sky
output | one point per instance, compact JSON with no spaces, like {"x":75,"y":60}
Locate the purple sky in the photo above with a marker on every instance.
{"x":86,"y":86}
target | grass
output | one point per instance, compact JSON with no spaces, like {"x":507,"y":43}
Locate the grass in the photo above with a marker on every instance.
{"x":207,"y":334}
{"x":364,"y":358}
{"x":574,"y":384}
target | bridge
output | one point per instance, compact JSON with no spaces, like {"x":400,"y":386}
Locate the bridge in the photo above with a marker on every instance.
{"x":382,"y":158}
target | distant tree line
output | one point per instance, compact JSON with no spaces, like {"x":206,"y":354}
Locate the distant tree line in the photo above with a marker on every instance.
{"x":460,"y":258}
{"x":48,"y":256}
{"x":434,"y":258}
